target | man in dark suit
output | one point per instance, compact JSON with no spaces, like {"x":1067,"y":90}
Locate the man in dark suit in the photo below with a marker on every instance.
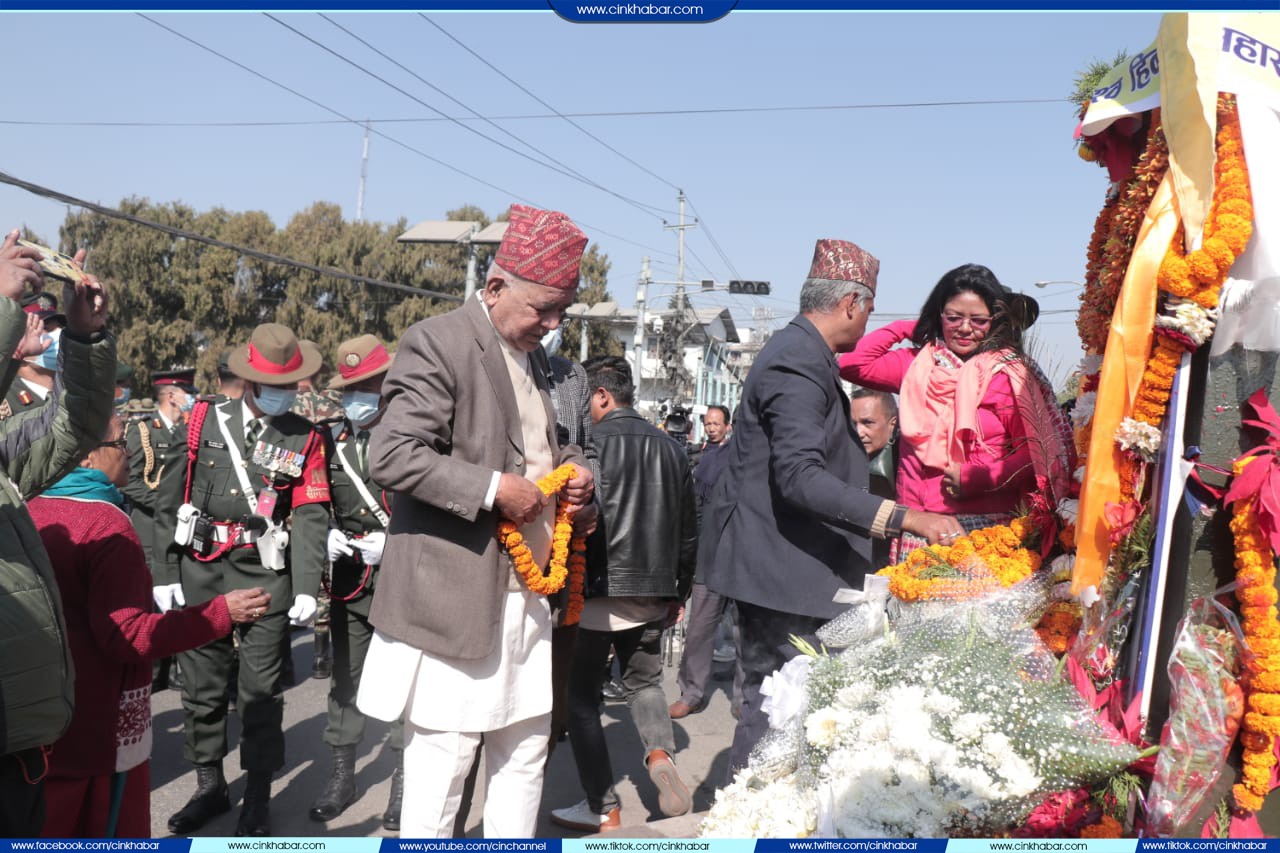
{"x":461,"y":645}
{"x":788,"y":530}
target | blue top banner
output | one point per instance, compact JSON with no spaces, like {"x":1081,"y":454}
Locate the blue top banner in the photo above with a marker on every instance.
{"x":592,"y":12}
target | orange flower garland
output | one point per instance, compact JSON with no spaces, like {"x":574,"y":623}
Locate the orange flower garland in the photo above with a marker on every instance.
{"x":974,"y":564}
{"x":1256,"y":593}
{"x":1107,"y":266}
{"x":1198,"y":276}
{"x":562,"y":567}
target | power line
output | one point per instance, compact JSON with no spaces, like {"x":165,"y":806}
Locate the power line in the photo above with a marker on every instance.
{"x":361,"y":123}
{"x":515,"y":83}
{"x":536,"y":116}
{"x":221,"y":244}
{"x":558,"y":167}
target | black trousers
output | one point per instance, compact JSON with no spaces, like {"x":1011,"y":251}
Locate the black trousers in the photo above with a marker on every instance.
{"x":21,"y":798}
{"x":764,"y":645}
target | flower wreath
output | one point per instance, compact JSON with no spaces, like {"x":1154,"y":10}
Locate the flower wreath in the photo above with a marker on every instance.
{"x":568,"y":561}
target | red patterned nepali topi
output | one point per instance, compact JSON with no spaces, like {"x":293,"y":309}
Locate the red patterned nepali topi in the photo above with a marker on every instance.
{"x":840,"y":260}
{"x":542,"y":246}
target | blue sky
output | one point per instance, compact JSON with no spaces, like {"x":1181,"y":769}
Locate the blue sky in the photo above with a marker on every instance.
{"x":923,"y":188}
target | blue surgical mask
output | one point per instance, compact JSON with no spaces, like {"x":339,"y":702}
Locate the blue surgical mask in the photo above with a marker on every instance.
{"x":275,"y":401}
{"x":188,"y":403}
{"x":361,"y":406}
{"x":49,"y":358}
{"x":551,"y":340}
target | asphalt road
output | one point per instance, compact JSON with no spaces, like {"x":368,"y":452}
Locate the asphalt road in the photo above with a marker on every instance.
{"x":702,"y":744}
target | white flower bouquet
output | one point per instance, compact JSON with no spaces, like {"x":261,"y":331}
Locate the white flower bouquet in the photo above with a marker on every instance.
{"x":957,"y":722}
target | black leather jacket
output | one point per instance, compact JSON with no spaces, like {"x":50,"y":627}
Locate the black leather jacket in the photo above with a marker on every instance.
{"x":646,"y":543}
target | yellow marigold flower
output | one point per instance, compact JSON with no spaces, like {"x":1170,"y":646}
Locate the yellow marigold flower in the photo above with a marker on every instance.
{"x":1265,"y":703}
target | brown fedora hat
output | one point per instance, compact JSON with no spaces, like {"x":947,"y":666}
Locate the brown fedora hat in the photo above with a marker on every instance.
{"x":274,"y":356}
{"x":360,"y":358}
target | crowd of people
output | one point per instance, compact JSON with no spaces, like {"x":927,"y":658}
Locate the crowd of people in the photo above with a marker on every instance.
{"x":478,"y":527}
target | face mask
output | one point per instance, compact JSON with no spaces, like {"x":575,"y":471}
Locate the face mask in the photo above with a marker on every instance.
{"x":188,"y":403}
{"x":551,"y":340}
{"x":275,"y":401}
{"x":123,"y":395}
{"x":49,"y":358}
{"x":361,"y":406}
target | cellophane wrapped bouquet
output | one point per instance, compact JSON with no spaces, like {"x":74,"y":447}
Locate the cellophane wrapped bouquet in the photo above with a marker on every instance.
{"x":955,"y":721}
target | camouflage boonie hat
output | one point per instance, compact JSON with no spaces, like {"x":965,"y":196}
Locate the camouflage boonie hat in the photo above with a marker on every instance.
{"x":319,"y":406}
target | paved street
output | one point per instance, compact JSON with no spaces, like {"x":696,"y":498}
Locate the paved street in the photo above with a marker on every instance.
{"x":702,"y":742}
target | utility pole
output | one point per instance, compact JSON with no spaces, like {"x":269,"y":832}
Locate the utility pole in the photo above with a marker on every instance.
{"x":473,"y":252}
{"x":677,"y":332}
{"x":637,"y":344}
{"x":364,"y":174}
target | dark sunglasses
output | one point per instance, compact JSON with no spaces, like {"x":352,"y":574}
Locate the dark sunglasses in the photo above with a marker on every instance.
{"x":119,"y":443}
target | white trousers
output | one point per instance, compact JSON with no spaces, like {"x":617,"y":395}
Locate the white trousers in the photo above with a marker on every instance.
{"x":436,"y":765}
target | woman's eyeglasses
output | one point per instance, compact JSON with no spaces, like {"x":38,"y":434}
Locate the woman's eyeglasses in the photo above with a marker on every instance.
{"x":955,"y":320}
{"x":119,"y":443}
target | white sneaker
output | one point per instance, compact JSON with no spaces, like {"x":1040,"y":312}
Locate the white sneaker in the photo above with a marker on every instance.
{"x":580,"y":817}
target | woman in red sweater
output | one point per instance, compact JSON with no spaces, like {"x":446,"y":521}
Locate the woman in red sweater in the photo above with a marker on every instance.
{"x":980,"y":428}
{"x":98,"y":783}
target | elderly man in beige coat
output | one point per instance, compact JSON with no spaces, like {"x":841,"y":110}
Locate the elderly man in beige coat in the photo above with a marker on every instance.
{"x":460,"y":643}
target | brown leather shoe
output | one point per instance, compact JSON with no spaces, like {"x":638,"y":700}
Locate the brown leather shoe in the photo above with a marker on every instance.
{"x":680,"y":709}
{"x":673,"y":794}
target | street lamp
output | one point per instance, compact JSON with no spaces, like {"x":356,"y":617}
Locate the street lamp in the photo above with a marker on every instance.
{"x":1044,"y":284}
{"x":458,"y":232}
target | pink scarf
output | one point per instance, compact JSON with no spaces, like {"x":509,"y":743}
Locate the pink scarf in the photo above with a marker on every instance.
{"x":938,"y":414}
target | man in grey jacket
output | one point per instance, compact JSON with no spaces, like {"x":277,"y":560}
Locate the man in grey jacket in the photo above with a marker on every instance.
{"x":36,"y":449}
{"x":640,"y":564}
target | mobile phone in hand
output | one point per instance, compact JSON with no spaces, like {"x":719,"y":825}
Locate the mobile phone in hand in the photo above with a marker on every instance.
{"x":55,"y":264}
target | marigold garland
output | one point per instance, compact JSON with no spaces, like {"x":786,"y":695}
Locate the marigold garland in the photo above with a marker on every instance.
{"x":1109,"y":261}
{"x":1198,"y":276}
{"x":1256,"y":593}
{"x":562,"y":568}
{"x":975,"y":563}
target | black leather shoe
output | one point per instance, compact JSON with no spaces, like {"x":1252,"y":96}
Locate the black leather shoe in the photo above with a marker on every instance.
{"x":340,"y":792}
{"x":255,"y":813}
{"x":391,"y":817}
{"x":613,"y":691}
{"x":209,"y":801}
{"x":322,"y":666}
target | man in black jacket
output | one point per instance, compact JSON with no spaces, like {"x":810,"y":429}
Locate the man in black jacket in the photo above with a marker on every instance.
{"x":640,"y":565}
{"x":788,"y":531}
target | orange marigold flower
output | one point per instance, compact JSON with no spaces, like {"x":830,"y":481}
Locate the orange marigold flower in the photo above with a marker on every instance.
{"x":1108,"y":827}
{"x":1266,"y":703}
{"x":1246,"y":800}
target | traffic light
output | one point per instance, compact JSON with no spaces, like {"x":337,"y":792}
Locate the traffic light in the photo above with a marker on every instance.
{"x":753,"y":288}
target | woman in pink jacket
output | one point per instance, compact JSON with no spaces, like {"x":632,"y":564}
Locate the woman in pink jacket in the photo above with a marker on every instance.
{"x":980,"y":428}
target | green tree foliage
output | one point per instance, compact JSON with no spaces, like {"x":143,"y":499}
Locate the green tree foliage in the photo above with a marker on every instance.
{"x":177,"y":302}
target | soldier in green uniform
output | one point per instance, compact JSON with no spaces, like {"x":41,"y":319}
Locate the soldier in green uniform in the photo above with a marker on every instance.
{"x":38,"y":356}
{"x":156,"y":443}
{"x":250,"y":509}
{"x":324,"y":409}
{"x":124,"y":387}
{"x":355,"y":546}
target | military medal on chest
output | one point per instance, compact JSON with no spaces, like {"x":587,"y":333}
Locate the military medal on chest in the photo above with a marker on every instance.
{"x":277,"y":460}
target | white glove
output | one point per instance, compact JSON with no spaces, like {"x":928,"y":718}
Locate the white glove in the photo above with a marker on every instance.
{"x":168,"y":596}
{"x":371,"y":546}
{"x":303,"y":610}
{"x":338,"y":545}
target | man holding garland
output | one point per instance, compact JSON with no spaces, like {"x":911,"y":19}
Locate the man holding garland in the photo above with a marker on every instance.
{"x":462,"y":641}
